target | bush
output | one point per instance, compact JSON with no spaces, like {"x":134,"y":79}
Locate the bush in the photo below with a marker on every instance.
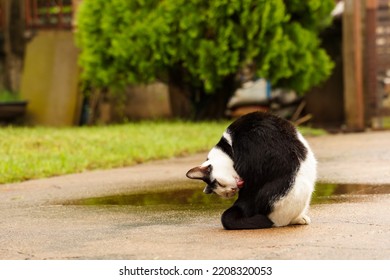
{"x":202,"y":44}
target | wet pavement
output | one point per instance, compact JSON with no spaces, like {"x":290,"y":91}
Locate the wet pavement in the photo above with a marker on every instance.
{"x":151,"y":211}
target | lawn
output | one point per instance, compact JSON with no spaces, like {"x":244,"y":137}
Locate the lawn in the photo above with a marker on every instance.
{"x":37,"y":152}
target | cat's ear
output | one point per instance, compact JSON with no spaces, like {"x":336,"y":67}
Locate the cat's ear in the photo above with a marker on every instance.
{"x":199,"y":172}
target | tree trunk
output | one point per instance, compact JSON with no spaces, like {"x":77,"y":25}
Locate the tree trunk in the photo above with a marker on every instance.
{"x":194,"y":103}
{"x":213,"y":106}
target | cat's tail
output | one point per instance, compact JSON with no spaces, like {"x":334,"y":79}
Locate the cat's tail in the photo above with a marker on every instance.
{"x":233,"y":219}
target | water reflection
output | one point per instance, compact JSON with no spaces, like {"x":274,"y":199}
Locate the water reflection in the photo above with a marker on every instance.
{"x":333,"y":193}
{"x":190,"y":195}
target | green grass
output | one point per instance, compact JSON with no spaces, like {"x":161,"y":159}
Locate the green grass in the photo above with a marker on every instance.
{"x":8,"y":96}
{"x":30,"y":153}
{"x":309,"y":131}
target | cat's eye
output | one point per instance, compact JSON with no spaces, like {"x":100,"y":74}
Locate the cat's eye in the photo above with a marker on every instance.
{"x":219,"y":184}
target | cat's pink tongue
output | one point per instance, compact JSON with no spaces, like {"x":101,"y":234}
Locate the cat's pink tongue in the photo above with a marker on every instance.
{"x":240,"y":183}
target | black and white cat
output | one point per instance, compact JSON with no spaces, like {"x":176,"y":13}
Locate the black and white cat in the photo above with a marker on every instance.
{"x":269,"y":164}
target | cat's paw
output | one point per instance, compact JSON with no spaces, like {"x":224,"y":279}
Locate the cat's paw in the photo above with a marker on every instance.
{"x":301,"y":220}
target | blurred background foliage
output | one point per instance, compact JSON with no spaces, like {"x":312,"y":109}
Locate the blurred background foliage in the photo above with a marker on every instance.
{"x":200,"y":46}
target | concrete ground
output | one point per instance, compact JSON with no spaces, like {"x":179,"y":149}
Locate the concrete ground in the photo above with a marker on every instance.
{"x":35,"y":223}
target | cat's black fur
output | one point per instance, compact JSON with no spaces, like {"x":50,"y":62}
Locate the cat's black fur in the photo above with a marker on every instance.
{"x":268,"y":147}
{"x":267,"y":154}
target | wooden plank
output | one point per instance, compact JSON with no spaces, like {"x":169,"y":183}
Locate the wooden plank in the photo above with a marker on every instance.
{"x":352,"y":58}
{"x":372,"y":99}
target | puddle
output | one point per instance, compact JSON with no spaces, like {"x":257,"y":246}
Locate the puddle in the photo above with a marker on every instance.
{"x":173,"y":196}
{"x":336,"y":193}
{"x":188,"y":197}
{"x":191,"y":196}
{"x":181,"y":202}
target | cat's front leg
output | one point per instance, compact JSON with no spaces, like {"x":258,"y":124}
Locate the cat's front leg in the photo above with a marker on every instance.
{"x":234,"y":218}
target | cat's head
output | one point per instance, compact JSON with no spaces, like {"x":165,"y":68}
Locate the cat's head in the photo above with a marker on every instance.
{"x":218,"y":173}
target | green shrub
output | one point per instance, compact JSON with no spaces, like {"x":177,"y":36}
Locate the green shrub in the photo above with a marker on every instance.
{"x":202,"y":43}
